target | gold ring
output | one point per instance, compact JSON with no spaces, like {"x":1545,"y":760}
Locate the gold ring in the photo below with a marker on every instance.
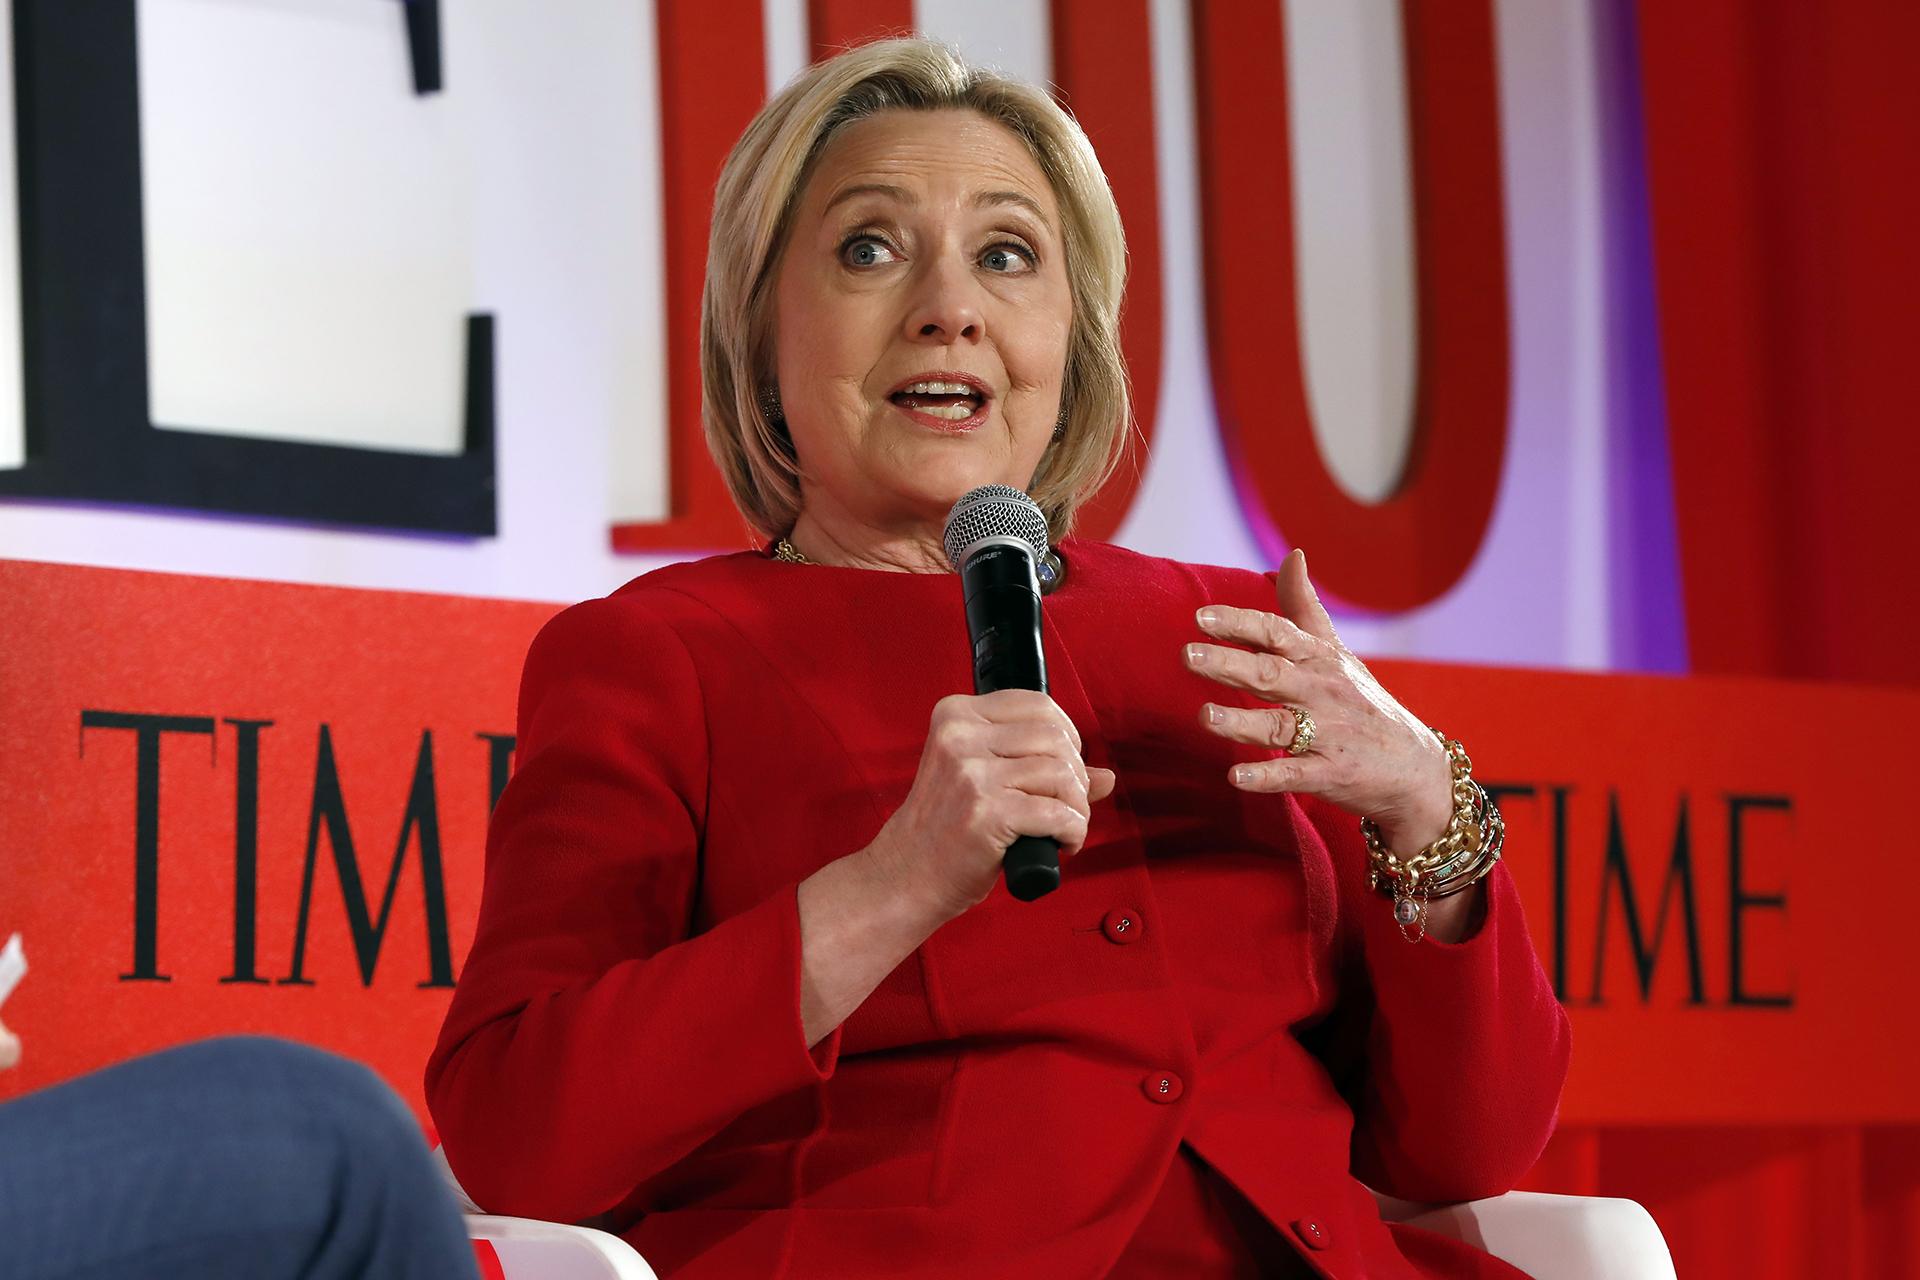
{"x":1303,"y":730}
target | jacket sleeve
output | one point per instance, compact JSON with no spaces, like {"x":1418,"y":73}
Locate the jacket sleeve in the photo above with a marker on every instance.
{"x":1462,"y":1047}
{"x":591,"y":1042}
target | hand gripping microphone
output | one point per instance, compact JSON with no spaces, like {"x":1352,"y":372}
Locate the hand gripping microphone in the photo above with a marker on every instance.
{"x":995,"y":539}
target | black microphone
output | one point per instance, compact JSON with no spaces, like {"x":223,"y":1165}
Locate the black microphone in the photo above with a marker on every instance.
{"x":996,"y":538}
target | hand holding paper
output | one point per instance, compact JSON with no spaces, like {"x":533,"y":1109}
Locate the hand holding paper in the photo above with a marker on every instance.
{"x":13,"y":967}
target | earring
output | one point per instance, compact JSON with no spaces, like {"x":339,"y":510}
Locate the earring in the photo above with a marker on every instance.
{"x":770,"y":404}
{"x":1060,"y":424}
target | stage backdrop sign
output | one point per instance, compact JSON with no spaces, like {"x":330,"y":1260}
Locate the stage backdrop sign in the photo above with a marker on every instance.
{"x":240,"y":806}
{"x":236,"y":806}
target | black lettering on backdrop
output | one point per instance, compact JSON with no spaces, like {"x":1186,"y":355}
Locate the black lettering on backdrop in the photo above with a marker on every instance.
{"x":147,"y":730}
{"x":246,"y":846}
{"x":1616,"y":871}
{"x":83,"y":308}
{"x":329,"y":808}
{"x":1739,"y":902}
{"x":499,"y":765}
{"x":423,"y":43}
{"x":1560,"y":850}
{"x":1680,"y":874}
{"x":1560,"y":881}
{"x":1499,"y":793}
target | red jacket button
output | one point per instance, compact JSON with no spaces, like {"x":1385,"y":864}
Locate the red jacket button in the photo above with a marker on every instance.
{"x":1163,"y":1086}
{"x":1122,"y":926}
{"x":1312,"y":1234}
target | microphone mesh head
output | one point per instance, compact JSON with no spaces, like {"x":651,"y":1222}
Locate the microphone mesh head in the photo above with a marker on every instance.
{"x":994,"y":511}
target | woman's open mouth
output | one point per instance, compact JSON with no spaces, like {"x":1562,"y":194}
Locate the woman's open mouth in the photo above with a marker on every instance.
{"x":945,"y":404}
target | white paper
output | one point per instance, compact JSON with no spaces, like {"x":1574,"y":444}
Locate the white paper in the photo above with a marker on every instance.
{"x":13,"y":967}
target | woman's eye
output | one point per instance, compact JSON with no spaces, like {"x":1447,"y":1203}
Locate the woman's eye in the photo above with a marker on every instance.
{"x":866,"y":251}
{"x":1007,"y":259}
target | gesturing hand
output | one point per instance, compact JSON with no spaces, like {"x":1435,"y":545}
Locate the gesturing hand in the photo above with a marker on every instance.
{"x":1369,"y":755}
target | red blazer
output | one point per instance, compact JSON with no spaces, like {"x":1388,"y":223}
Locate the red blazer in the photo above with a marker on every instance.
{"x":626,"y":1040}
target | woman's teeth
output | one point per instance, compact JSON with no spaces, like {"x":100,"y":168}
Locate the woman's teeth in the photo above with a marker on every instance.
{"x":948,"y":401}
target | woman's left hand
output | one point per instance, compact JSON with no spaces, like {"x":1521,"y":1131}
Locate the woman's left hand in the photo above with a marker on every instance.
{"x":1369,"y":755}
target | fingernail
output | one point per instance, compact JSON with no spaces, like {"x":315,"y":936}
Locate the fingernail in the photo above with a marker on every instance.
{"x":1209,"y":619}
{"x":1242,"y":775}
{"x":1215,"y":715}
{"x":1196,"y":655}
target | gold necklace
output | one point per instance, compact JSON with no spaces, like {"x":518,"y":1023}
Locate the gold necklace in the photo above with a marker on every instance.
{"x":1052,"y":570}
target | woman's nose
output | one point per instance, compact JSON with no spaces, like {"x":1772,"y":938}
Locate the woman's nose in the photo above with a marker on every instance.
{"x":946,"y":309}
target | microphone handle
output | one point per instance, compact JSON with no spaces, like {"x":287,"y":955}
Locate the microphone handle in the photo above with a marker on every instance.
{"x":1003,"y":621}
{"x":1031,"y":867}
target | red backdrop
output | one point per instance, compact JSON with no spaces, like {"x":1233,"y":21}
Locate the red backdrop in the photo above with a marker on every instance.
{"x":1783,"y":171}
{"x":251,"y":806}
{"x":1782,"y":200}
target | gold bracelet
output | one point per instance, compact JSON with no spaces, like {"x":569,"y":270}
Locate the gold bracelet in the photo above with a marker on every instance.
{"x":1491,"y":840}
{"x":1463,"y":855}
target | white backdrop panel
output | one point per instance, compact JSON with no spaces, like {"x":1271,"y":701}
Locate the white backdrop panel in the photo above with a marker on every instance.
{"x":306,"y":226}
{"x":555,"y":109}
{"x":1353,"y":235}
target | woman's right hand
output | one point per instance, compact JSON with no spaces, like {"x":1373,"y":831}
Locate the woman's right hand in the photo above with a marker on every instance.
{"x":996,"y":766}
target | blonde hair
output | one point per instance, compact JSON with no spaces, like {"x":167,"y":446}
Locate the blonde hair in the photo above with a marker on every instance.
{"x":752,"y":212}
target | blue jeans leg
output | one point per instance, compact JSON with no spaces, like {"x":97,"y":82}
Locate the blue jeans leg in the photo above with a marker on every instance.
{"x":235,"y":1157}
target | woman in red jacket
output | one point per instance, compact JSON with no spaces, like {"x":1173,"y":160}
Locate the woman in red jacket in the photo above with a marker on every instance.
{"x":745,"y":985}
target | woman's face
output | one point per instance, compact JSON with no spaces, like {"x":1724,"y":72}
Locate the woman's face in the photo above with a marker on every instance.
{"x":921,"y":318}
